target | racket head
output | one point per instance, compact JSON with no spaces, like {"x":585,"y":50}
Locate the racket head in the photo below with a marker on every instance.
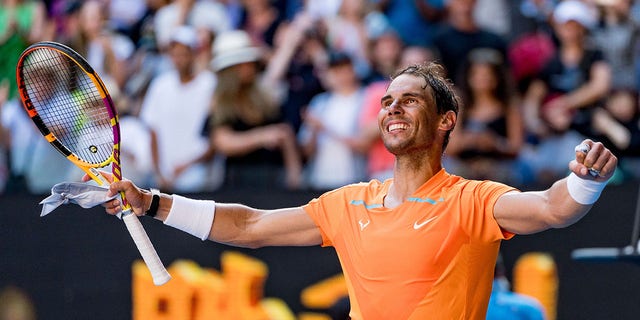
{"x":70,"y":105}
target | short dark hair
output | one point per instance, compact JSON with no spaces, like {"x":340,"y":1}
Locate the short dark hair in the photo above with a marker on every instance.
{"x":338,"y":58}
{"x":442,"y":90}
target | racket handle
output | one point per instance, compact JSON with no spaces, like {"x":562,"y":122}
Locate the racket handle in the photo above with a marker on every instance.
{"x":149,"y":255}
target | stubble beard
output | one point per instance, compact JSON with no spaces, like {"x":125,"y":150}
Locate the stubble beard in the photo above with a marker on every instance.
{"x":409,"y":152}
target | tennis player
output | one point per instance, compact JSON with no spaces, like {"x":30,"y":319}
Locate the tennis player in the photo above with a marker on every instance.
{"x":421,"y":245}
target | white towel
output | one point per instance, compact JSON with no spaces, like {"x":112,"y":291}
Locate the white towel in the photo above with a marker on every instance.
{"x":87,"y":195}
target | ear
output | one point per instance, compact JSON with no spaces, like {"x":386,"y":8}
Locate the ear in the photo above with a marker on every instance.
{"x":448,"y":121}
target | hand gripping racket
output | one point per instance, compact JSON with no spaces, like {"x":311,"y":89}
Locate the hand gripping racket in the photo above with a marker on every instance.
{"x":71,"y":107}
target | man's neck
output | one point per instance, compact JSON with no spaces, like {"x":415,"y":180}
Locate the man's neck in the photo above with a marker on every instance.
{"x":463,"y":23}
{"x":347,"y":89}
{"x":408,"y":176}
{"x":186,"y":78}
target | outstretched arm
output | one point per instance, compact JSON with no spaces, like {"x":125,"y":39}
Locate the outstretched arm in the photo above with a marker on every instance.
{"x":232,"y":224}
{"x":565,"y":202}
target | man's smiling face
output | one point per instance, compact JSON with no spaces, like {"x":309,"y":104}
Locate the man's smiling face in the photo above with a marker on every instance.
{"x":408,"y":118}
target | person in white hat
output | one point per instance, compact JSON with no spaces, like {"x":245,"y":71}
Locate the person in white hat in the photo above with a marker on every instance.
{"x":246,"y":124}
{"x":577,"y":11}
{"x":617,"y":34}
{"x":574,"y":80}
{"x":232,"y":48}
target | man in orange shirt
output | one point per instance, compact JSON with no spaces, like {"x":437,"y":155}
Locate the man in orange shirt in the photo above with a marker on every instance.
{"x":421,"y":245}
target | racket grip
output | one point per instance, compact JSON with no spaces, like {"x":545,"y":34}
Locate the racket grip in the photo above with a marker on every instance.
{"x":149,"y":255}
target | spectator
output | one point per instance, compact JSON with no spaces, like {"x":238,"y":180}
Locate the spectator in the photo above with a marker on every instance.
{"x":31,"y":157}
{"x":494,"y":16}
{"x":538,"y":10}
{"x":531,"y":45}
{"x":385,"y":50}
{"x":330,"y":125}
{"x":175,"y":109}
{"x":142,"y":32}
{"x":246,"y":125}
{"x":528,"y":54}
{"x":123,"y":14}
{"x":300,"y":55}
{"x":617,"y":36}
{"x":575,"y":79}
{"x":261,"y":19}
{"x":195,"y":13}
{"x":346,"y":33}
{"x":22,"y":22}
{"x":617,"y":124}
{"x":460,"y":35}
{"x":106,"y":51}
{"x":233,"y":12}
{"x":135,"y":154}
{"x":147,"y":61}
{"x":204,"y":52}
{"x":321,"y":9}
{"x":415,"y":21}
{"x":63,"y":16}
{"x":488,"y":140}
{"x":416,"y":55}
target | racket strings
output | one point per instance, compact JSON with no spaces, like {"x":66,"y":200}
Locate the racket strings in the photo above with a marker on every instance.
{"x":69,"y":104}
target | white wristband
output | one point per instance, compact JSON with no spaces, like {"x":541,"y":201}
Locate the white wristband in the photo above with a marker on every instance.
{"x":584,"y":191}
{"x":192,"y":216}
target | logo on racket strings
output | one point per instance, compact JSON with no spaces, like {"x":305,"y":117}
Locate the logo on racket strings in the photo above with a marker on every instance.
{"x":93,"y":149}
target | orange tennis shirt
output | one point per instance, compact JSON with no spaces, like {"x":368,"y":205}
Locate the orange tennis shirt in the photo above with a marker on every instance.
{"x":432,"y":257}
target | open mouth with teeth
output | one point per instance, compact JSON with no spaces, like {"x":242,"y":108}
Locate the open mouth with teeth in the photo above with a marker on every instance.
{"x":397,"y":126}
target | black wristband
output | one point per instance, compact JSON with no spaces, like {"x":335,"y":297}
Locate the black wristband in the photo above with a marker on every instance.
{"x":155,"y":203}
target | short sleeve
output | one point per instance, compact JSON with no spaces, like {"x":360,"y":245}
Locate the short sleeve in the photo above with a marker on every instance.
{"x":328,"y":211}
{"x":477,"y":220}
{"x":315,"y":210}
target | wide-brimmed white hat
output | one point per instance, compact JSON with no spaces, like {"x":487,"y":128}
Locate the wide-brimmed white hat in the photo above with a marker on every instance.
{"x":185,"y":35}
{"x":574,"y":10}
{"x":233,"y":47}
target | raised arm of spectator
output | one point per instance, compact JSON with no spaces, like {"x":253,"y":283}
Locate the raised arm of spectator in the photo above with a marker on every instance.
{"x":288,"y":41}
{"x":593,"y":90}
{"x":531,"y":107}
{"x":427,"y":11}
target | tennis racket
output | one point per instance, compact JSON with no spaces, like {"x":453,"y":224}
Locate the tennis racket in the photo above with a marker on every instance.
{"x":71,"y":107}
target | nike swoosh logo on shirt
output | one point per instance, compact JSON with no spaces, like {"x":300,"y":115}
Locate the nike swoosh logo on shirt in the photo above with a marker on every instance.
{"x":363,"y":224}
{"x":417,"y":225}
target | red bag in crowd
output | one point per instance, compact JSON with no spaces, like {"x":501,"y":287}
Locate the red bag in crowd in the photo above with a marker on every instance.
{"x":529,"y":54}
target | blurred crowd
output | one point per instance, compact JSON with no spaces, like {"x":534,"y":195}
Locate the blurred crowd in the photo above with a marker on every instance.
{"x":285,"y":93}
